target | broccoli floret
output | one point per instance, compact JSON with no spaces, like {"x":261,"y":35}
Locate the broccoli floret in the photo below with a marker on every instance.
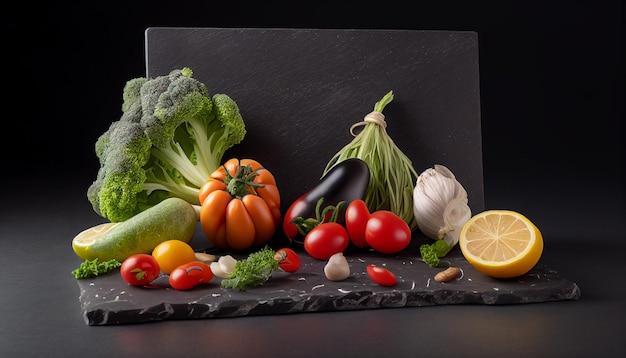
{"x":171,"y":136}
{"x":131,"y":93}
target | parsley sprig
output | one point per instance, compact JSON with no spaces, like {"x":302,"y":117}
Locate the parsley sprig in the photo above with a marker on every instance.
{"x":255,"y":270}
{"x":431,"y":253}
{"x":93,"y":268}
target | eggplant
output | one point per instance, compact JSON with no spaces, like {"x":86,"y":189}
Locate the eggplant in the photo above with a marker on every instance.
{"x":346,"y":181}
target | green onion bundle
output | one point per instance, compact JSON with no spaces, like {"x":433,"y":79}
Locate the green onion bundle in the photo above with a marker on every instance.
{"x":392,"y":176}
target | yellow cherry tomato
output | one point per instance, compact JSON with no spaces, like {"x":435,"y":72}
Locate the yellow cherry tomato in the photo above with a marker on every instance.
{"x":172,"y":253}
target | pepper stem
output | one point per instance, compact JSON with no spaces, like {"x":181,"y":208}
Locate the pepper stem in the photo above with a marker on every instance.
{"x":242,"y":182}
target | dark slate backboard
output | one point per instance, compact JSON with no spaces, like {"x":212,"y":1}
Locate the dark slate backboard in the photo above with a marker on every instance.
{"x":300,"y":90}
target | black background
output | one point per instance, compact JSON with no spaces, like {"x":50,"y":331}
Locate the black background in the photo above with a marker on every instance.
{"x":552,"y":94}
{"x":551,"y":72}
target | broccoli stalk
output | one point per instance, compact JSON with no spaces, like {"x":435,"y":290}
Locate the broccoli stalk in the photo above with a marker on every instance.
{"x":171,"y":136}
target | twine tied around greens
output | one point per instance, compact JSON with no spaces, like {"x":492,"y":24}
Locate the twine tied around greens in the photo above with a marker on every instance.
{"x":372,"y":117}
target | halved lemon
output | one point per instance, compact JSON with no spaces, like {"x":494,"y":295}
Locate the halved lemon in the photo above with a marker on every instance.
{"x":501,"y":243}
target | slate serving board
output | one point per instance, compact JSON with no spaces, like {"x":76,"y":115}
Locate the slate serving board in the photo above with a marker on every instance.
{"x":299,"y":91}
{"x":108,"y":300}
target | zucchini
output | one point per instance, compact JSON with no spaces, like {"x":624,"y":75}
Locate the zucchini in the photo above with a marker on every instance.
{"x":172,"y":218}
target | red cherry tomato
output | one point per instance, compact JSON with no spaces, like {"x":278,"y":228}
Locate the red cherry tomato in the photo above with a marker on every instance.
{"x":357,"y":215}
{"x":189,"y":275}
{"x":386,"y":232}
{"x":325,"y":240}
{"x":381,"y":276}
{"x":140,"y":269}
{"x":289,"y":259}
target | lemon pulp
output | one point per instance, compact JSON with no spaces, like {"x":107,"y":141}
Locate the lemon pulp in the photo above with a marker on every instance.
{"x":87,"y":238}
{"x":501,"y":243}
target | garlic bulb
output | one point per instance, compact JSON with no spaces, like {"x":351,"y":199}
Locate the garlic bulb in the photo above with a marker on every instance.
{"x":440,"y":205}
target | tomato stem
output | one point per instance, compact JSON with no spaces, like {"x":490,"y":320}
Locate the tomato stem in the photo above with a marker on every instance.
{"x":280,"y":255}
{"x":330,"y":213}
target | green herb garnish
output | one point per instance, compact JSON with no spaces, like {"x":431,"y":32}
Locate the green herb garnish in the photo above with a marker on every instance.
{"x":255,"y":270}
{"x":93,"y":268}
{"x":431,"y":253}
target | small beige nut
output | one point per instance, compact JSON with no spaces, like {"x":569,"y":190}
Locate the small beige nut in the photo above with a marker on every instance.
{"x":448,"y":274}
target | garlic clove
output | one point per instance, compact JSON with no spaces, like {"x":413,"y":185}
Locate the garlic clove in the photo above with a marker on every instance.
{"x":427,"y":206}
{"x":204,"y":257}
{"x":337,"y":268}
{"x":223,"y":266}
{"x":455,"y":216}
{"x":227,"y":263}
{"x":443,"y":170}
{"x":217,"y":270}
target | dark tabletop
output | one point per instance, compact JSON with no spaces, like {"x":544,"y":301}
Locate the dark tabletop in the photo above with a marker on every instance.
{"x":41,"y":313}
{"x":553,"y":73}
